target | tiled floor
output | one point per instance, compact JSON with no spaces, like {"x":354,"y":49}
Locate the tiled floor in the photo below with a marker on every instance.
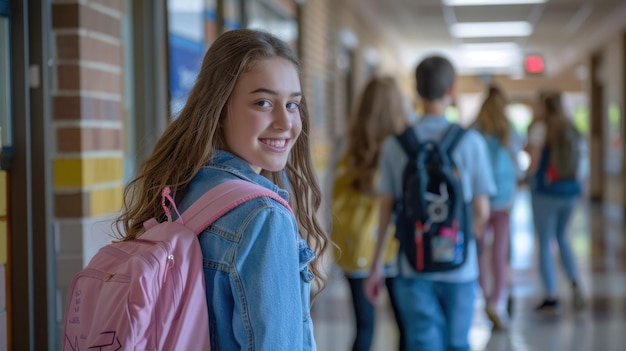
{"x":598,"y":240}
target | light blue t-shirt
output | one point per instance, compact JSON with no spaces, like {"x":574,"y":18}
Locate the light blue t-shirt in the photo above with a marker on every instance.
{"x":513,"y":170}
{"x":471,"y":158}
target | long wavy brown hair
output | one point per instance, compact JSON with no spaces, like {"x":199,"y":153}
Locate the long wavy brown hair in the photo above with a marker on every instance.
{"x":191,"y":140}
{"x":492,"y":118}
{"x":380,"y":113}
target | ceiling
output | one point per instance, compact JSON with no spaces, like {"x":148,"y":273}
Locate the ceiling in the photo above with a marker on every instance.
{"x":563,"y":31}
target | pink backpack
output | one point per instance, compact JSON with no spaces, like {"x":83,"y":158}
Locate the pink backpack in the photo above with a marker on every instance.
{"x":149,"y":293}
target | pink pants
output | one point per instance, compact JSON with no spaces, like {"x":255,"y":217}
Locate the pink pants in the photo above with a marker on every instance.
{"x":493,"y":277}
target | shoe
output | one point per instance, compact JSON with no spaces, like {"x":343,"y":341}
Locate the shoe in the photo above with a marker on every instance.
{"x":509,"y":306}
{"x":578,"y":302}
{"x":548,"y":305}
{"x":500,"y":322}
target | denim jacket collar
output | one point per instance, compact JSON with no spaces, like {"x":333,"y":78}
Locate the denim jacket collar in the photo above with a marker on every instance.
{"x":229,"y":162}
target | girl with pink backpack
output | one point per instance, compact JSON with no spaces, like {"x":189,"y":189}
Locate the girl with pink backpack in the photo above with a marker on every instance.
{"x":246,"y":119}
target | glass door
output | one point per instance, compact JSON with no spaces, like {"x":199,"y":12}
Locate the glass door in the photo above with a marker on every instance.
{"x":5,"y":76}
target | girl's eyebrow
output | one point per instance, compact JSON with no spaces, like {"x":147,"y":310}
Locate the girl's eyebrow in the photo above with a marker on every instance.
{"x":272,"y":92}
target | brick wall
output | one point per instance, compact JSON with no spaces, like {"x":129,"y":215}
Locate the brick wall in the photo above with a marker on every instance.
{"x":88,"y":123}
{"x":321,"y":23}
{"x":314,"y":45}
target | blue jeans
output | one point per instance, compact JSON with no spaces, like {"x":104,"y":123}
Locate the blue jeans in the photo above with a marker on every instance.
{"x":436,"y":315}
{"x":364,"y":315}
{"x":551,"y":215}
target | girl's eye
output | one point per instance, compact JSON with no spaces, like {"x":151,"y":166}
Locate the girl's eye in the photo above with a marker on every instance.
{"x":292,"y":105}
{"x":263,"y":103}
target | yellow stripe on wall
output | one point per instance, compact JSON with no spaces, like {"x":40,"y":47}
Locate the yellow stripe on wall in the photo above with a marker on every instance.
{"x":84,"y":172}
{"x":106,"y":201}
{"x":3,"y":242}
{"x":3,"y":193}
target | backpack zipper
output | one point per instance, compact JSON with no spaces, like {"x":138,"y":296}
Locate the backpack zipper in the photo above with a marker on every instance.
{"x":169,"y":263}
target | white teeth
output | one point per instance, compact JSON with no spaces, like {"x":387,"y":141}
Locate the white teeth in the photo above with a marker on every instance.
{"x":275,"y":143}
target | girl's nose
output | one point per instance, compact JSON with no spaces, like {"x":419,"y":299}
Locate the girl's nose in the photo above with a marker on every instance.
{"x":282,"y":119}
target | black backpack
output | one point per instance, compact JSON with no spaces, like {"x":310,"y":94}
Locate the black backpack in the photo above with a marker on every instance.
{"x":432,"y":219}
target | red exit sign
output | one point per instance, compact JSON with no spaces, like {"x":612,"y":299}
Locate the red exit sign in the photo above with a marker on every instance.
{"x":534,"y":64}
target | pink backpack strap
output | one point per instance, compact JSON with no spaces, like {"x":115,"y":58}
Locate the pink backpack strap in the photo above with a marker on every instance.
{"x":221,"y":199}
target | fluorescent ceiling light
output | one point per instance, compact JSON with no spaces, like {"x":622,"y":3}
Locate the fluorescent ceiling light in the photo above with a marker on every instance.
{"x":503,"y":54}
{"x":491,"y":29}
{"x":509,"y":45}
{"x":489,"y":58}
{"x":490,"y":2}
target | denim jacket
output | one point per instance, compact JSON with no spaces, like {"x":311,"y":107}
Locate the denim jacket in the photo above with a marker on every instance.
{"x":255,"y":267}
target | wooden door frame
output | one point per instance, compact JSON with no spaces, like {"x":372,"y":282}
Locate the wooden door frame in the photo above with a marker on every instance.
{"x":31,"y":249}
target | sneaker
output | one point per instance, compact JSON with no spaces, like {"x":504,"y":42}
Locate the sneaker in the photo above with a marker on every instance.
{"x":510,"y":306}
{"x":578,"y":301}
{"x":499,"y":321}
{"x":548,"y":305}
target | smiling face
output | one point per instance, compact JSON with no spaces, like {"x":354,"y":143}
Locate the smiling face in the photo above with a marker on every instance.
{"x":263,"y":119}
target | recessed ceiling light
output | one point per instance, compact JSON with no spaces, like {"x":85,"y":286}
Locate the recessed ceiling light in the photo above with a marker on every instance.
{"x":490,"y":2}
{"x":491,"y":29}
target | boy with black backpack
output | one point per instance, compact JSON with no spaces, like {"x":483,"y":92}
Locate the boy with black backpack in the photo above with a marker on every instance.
{"x":435,"y":180}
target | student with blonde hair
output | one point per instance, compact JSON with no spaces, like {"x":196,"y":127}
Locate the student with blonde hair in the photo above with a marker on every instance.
{"x":554,"y":149}
{"x":381,"y":112}
{"x":245,"y":118}
{"x":503,"y":143}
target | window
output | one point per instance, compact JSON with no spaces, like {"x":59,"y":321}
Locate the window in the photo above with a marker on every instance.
{"x":191,"y":29}
{"x":5,"y":78}
{"x":274,"y":18}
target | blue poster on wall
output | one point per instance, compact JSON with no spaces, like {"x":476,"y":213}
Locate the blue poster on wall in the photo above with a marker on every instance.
{"x":185,"y":61}
{"x":4,"y":8}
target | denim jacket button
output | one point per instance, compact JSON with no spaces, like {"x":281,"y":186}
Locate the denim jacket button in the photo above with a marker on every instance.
{"x":306,"y":274}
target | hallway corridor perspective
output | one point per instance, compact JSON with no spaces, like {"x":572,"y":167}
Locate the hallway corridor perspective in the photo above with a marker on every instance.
{"x":597,"y":236}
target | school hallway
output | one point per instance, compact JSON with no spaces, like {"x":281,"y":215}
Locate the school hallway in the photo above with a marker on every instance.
{"x":597,"y":238}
